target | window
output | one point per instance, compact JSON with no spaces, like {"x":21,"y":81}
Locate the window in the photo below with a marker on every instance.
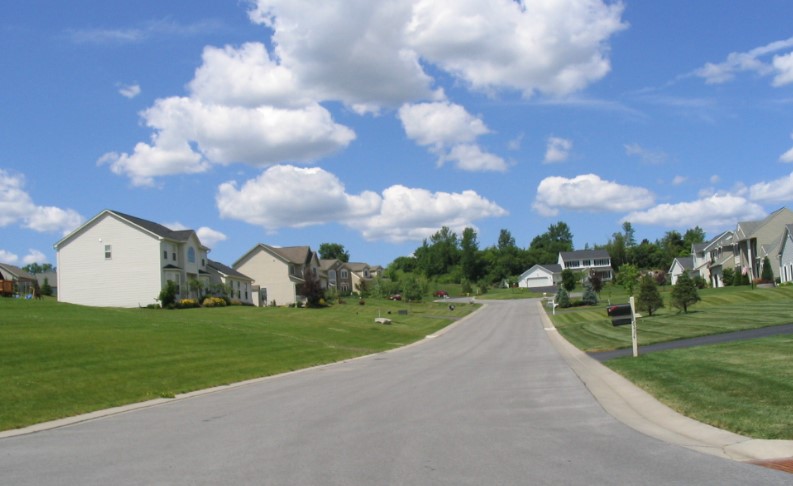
{"x":173,"y":256}
{"x":108,"y":252}
{"x":344,"y":274}
{"x":165,"y":254}
{"x":191,"y":255}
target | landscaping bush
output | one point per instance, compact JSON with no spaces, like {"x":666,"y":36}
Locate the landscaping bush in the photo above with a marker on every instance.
{"x":167,"y":295}
{"x":187,"y":304}
{"x":214,"y":302}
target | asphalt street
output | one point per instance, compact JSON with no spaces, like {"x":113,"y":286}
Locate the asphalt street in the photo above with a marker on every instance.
{"x":487,"y":402}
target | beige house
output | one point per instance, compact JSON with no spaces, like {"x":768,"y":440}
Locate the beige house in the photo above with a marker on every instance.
{"x":360,"y":274}
{"x":237,"y":285}
{"x":278,"y":272}
{"x":755,"y":240}
{"x":118,"y":260}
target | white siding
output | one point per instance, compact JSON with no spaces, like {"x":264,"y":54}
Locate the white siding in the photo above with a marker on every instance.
{"x":131,"y":277}
{"x":537,"y":278}
{"x":786,"y":259}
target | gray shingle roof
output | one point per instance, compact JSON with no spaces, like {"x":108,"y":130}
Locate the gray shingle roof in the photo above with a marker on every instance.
{"x":226,"y":270}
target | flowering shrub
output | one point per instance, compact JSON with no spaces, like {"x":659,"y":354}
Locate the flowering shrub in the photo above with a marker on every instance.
{"x":214,"y":302}
{"x":187,"y":303}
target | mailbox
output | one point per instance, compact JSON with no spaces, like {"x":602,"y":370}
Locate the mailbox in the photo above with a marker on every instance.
{"x":621,"y":314}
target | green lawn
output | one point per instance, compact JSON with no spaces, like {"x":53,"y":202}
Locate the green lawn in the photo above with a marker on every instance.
{"x":721,"y":310}
{"x":745,"y":387}
{"x":59,"y":360}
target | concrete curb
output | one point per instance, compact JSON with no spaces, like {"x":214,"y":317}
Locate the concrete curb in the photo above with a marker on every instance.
{"x":641,"y":411}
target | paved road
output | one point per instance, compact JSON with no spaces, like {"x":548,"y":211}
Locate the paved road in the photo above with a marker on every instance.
{"x":698,"y":341}
{"x":489,"y":402}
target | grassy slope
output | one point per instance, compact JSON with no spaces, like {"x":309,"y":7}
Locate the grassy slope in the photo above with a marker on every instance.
{"x":58,"y":360}
{"x":745,"y":387}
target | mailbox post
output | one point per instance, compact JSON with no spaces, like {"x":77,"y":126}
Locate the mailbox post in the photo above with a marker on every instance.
{"x":622,"y":315}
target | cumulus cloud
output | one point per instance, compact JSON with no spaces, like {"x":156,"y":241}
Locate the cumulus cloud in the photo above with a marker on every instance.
{"x":288,"y":196}
{"x":554,"y":47}
{"x":781,"y":66}
{"x":8,"y":257}
{"x":779,"y":190}
{"x":450,"y":132}
{"x":588,"y":192}
{"x":557,"y":150}
{"x":17,"y":207}
{"x":34,"y":256}
{"x":714,"y":212}
{"x":209,"y":236}
{"x":190,"y":136}
{"x":246,"y":104}
{"x":678,"y":180}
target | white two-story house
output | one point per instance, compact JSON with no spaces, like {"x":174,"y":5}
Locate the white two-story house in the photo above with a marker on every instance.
{"x":596,"y":262}
{"x":118,"y":260}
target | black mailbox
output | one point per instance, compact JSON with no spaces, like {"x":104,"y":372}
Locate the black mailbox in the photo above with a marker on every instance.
{"x":621,"y":314}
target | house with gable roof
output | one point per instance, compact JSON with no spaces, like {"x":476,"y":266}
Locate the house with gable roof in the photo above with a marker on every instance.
{"x":238,"y":286}
{"x":15,"y":281}
{"x":755,"y":240}
{"x":119,"y":260}
{"x":589,"y":262}
{"x":681,"y":265}
{"x":541,"y":276}
{"x":278,"y":272}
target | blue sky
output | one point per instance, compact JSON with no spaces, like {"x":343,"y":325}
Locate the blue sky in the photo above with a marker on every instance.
{"x":373,"y":124}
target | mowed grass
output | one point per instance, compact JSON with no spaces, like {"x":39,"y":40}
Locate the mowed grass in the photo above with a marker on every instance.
{"x":745,"y":387}
{"x":721,"y":310}
{"x":59,"y":360}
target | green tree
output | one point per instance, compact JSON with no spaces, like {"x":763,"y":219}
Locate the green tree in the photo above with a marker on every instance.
{"x":167,"y":295}
{"x":649,"y":299}
{"x":767,"y":274}
{"x":684,"y":293}
{"x":589,"y":297}
{"x":333,"y":251}
{"x":568,"y":279}
{"x":727,"y":276}
{"x":470,"y":258}
{"x":311,"y":289}
{"x":439,"y":255}
{"x":545,"y":248}
{"x":562,"y":298}
{"x":46,"y":288}
{"x":628,"y":277}
{"x":35,"y":268}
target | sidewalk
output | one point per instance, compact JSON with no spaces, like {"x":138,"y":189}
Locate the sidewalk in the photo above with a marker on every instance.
{"x":641,"y":411}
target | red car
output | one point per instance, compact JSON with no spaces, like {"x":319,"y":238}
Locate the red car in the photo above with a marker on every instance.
{"x":396,"y":297}
{"x":440,"y":293}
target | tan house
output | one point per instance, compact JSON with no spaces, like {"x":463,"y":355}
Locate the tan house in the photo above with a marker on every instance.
{"x":278,"y":272}
{"x":755,"y":240}
{"x":360,"y":275}
{"x":15,"y":281}
{"x":237,"y":285}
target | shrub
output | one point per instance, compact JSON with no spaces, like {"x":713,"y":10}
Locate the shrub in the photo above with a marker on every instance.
{"x":187,"y":304}
{"x":563,"y":298}
{"x":214,"y":302}
{"x":167,"y":295}
{"x":589,"y":297}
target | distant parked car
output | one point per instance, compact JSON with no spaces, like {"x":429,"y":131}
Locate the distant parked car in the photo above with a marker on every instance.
{"x":396,"y":297}
{"x":441,"y":293}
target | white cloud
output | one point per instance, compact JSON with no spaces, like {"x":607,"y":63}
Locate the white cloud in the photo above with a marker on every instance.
{"x":190,"y":136}
{"x":678,"y":180}
{"x":129,"y":90}
{"x":293,"y":197}
{"x":410,"y":214}
{"x":288,"y":196}
{"x":17,"y":207}
{"x":440,"y":124}
{"x":751,"y":61}
{"x":787,"y":157}
{"x":8,"y":257}
{"x":470,"y":157}
{"x":245,"y":76}
{"x":450,"y":132}
{"x":209,"y":236}
{"x":711,"y":213}
{"x":557,"y":150}
{"x":34,"y":256}
{"x":779,"y":190}
{"x":555,"y":47}
{"x":588,"y":192}
{"x":647,"y":156}
{"x":783,"y":65}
